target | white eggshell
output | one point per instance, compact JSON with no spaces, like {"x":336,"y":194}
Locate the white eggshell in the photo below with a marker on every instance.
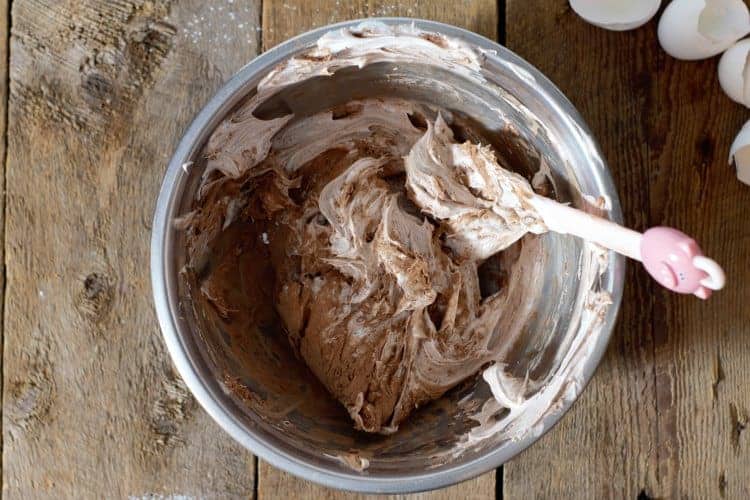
{"x":616,"y":15}
{"x":697,"y":29}
{"x":734,"y":72}
{"x":739,"y":154}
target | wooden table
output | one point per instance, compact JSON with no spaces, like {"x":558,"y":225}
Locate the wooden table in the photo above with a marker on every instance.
{"x":99,"y":93}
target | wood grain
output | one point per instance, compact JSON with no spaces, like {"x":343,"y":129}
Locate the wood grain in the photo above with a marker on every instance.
{"x":99,"y":94}
{"x":282,"y":20}
{"x":665,"y":415}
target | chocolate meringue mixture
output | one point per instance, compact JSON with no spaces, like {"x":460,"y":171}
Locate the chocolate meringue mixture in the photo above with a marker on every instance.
{"x":383,"y":233}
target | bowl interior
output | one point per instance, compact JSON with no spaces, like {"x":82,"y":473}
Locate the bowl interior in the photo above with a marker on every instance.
{"x":275,"y":398}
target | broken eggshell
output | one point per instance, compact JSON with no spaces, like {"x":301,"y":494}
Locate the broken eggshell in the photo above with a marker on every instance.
{"x":616,"y":15}
{"x":739,"y":154}
{"x":734,"y":72}
{"x":697,"y":29}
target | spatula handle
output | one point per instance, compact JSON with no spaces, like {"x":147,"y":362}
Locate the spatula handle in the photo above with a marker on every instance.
{"x":671,"y":257}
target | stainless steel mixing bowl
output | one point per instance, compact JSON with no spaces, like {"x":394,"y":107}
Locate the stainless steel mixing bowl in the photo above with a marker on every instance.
{"x":307,"y":441}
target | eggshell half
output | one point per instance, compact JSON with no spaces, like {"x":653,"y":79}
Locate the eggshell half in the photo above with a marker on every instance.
{"x":734,"y":72}
{"x":697,"y":29}
{"x":739,"y":154}
{"x":616,"y":15}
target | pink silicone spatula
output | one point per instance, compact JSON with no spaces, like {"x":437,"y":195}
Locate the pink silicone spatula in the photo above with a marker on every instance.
{"x":671,"y":257}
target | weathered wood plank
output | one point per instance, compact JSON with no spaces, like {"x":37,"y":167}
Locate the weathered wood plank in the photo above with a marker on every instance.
{"x":100,"y":92}
{"x":666,"y":412}
{"x":273,"y":484}
{"x":282,"y":20}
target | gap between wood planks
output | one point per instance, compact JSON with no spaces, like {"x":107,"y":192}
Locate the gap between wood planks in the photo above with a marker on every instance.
{"x":6,"y":78}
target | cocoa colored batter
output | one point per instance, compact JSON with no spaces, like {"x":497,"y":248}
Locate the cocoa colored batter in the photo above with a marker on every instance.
{"x":385,"y":311}
{"x":377,"y":239}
